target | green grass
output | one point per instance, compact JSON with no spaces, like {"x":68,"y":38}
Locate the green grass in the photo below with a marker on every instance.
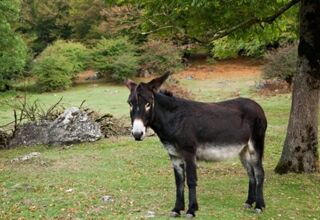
{"x":105,"y":98}
{"x":138,"y":175}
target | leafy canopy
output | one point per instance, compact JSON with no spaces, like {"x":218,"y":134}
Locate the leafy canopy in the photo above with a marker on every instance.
{"x":13,"y":51}
{"x":204,"y":22}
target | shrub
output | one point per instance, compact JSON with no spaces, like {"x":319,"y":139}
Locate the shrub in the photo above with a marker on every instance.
{"x":158,"y":57}
{"x":282,"y":63}
{"x":54,"y":73}
{"x":13,"y":57}
{"x":228,"y":47}
{"x":76,"y":53}
{"x":115,"y":58}
{"x":58,"y":64}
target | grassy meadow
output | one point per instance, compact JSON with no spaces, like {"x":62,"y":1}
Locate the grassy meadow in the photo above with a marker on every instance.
{"x":69,"y":182}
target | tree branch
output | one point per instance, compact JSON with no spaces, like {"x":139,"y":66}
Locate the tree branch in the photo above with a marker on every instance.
{"x":255,"y":20}
{"x":158,"y":29}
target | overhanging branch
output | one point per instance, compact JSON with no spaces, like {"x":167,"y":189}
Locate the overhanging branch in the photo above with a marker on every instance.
{"x":255,"y":20}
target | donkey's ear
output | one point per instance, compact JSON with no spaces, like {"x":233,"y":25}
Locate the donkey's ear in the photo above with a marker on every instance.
{"x":157,"y":82}
{"x":130,"y":84}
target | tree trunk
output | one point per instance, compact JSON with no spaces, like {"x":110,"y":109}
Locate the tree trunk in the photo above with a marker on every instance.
{"x":300,"y":151}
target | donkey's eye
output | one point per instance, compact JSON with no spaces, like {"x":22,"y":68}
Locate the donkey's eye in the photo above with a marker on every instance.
{"x":131,"y":106}
{"x":147,"y":106}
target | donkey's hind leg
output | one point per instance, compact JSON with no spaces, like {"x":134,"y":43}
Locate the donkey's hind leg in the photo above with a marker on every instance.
{"x":253,"y":156}
{"x":245,"y":160}
{"x":259,"y":176}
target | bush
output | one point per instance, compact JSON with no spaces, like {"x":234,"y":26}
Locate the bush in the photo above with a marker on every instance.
{"x":158,"y":57}
{"x":12,"y":60}
{"x":228,"y":47}
{"x":76,"y":53}
{"x":54,"y":73}
{"x":58,"y":64}
{"x":115,"y":58}
{"x":282,"y":63}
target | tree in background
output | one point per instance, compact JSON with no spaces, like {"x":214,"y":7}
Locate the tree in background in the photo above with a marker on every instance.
{"x":43,"y":22}
{"x":13,"y":51}
{"x":229,"y":26}
{"x":300,"y":151}
{"x":86,"y":21}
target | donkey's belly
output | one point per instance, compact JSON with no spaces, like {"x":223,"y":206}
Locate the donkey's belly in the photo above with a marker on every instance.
{"x":212,"y":152}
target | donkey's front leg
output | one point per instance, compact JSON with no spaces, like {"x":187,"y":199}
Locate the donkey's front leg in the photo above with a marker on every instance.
{"x":179,"y":174}
{"x":191,"y":170}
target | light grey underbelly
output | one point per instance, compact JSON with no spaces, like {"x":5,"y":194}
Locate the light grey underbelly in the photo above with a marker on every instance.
{"x":211,"y":152}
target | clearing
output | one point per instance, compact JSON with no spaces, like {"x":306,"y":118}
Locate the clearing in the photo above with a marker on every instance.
{"x":70,"y":182}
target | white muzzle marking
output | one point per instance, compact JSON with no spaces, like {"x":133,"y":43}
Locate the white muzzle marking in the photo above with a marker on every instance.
{"x":138,"y":128}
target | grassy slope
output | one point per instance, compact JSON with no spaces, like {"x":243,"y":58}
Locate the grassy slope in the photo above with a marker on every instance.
{"x":138,"y":175}
{"x":101,"y":97}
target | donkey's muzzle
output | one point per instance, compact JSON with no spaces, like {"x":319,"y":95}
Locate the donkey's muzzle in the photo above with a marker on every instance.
{"x":138,"y":129}
{"x":137,"y":135}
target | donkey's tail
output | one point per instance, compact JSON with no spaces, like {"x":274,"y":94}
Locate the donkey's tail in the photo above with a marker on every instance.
{"x":259,"y":133}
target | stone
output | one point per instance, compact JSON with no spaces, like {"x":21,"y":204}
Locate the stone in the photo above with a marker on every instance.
{"x":30,"y":134}
{"x":69,"y":190}
{"x":106,"y":199}
{"x":72,"y":126}
{"x":150,"y":214}
{"x":26,"y":157}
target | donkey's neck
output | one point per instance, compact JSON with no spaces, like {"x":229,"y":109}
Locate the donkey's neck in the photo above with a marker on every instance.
{"x":165,"y":109}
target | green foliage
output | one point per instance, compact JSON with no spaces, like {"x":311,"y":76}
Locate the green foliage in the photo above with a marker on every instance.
{"x":54,"y":73}
{"x":282,"y":63}
{"x":158,"y":56}
{"x":74,"y":52}
{"x":86,"y":19}
{"x":191,"y":22}
{"x":13,"y":52}
{"x":230,"y":47}
{"x":58,"y":64}
{"x":115,"y":58}
{"x":256,"y":40}
{"x":43,"y":22}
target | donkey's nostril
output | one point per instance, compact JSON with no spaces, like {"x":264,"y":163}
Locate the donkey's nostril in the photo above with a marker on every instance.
{"x":137,"y":135}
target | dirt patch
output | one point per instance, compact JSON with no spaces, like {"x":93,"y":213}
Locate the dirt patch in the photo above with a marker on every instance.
{"x":85,"y":76}
{"x":224,"y":69}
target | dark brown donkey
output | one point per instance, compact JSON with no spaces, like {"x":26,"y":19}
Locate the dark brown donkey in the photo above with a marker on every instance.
{"x":192,"y":131}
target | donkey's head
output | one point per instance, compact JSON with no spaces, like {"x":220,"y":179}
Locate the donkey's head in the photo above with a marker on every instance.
{"x":141,"y":101}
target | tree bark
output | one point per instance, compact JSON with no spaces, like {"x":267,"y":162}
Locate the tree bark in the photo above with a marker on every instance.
{"x":300,"y":150}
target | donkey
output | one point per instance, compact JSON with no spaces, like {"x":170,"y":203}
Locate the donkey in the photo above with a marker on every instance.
{"x":192,"y":131}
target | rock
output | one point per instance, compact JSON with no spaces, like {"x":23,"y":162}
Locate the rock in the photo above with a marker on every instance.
{"x":150,"y":214}
{"x":26,"y":157}
{"x":69,"y":191}
{"x":72,"y":126}
{"x":30,"y":134}
{"x":106,"y":199}
{"x":261,"y":84}
{"x":4,"y":139}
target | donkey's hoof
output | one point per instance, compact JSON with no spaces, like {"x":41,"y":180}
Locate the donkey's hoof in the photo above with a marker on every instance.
{"x":174,"y":214}
{"x":190,"y":215}
{"x":247,"y":206}
{"x":257,"y":210}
